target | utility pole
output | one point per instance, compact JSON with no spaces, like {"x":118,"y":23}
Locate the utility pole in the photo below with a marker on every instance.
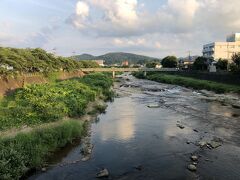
{"x":189,"y":55}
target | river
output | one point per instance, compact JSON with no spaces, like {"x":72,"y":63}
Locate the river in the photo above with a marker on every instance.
{"x":134,"y":141}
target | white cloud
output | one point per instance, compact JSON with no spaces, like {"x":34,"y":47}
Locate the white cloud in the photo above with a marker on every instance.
{"x":129,"y":42}
{"x":175,"y":26}
{"x":81,"y":14}
{"x":120,"y":17}
{"x":139,"y":26}
{"x":123,"y":17}
{"x":82,"y":9}
{"x":118,"y":12}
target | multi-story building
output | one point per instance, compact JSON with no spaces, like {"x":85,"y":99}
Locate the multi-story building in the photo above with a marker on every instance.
{"x":223,"y":50}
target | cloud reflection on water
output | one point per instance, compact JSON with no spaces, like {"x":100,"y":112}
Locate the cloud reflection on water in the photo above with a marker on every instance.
{"x":124,"y":128}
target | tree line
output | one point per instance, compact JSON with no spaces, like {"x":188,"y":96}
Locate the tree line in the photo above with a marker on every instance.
{"x":14,"y":60}
{"x":201,"y":63}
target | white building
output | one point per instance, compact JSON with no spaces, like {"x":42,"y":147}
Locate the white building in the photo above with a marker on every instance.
{"x":223,"y":50}
{"x":100,"y":62}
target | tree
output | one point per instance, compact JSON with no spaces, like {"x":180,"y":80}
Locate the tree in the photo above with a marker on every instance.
{"x":38,"y":60}
{"x":151,"y":64}
{"x":235,"y":66}
{"x":169,"y":62}
{"x":222,"y":64}
{"x":201,"y":63}
{"x":236,"y":59}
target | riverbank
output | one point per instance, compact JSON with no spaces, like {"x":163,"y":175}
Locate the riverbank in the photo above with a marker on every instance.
{"x":191,"y":82}
{"x":39,"y":119}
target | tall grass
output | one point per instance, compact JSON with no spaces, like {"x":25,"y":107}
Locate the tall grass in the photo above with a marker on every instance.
{"x":29,"y":150}
{"x":43,"y":103}
{"x":191,"y":82}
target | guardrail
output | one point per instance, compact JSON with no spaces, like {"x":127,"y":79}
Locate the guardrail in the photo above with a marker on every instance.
{"x":129,"y":69}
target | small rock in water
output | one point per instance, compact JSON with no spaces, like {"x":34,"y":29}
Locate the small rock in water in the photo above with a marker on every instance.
{"x":103,"y":173}
{"x":202,"y":143}
{"x":44,"y":169}
{"x":214,"y":144}
{"x":140,"y":167}
{"x":207,"y":159}
{"x":195,"y":163}
{"x":153,"y":106}
{"x":237,"y":106}
{"x":86,"y":158}
{"x":192,"y":167}
{"x":188,"y":142}
{"x":209,"y":147}
{"x":180,"y":126}
{"x":194,"y":158}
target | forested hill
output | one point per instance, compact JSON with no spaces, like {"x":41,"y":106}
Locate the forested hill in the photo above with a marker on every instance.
{"x":13,"y":60}
{"x":117,"y":57}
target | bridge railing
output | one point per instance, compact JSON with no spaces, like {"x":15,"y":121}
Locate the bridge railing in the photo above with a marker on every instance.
{"x":128,"y":69}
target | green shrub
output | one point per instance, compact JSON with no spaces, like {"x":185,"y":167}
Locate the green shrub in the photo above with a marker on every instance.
{"x":29,"y":150}
{"x":37,"y":104}
{"x":37,"y":60}
{"x":193,"y":83}
{"x":45,"y":103}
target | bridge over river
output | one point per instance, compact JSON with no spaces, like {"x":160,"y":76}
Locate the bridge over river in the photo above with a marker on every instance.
{"x":113,"y":70}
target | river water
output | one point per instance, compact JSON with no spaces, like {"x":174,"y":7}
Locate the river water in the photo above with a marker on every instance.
{"x":133,"y":141}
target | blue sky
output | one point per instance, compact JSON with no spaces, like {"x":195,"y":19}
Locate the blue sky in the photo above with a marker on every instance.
{"x":150,"y":27}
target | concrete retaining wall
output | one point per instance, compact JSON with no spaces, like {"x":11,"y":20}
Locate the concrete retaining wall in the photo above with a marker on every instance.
{"x":9,"y":84}
{"x":221,"y":77}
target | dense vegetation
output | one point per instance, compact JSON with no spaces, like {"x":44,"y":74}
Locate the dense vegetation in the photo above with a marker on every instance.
{"x":222,"y":64}
{"x":201,"y":63}
{"x":169,"y":62}
{"x":26,"y":151}
{"x":235,"y":65}
{"x":152,"y":64}
{"x":43,"y":103}
{"x":191,"y":82}
{"x":36,"y":60}
{"x":117,"y":58}
{"x":46,"y":105}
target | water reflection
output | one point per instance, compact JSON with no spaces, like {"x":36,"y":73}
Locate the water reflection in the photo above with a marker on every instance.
{"x":124,"y":127}
{"x":174,"y":131}
{"x":218,"y":109}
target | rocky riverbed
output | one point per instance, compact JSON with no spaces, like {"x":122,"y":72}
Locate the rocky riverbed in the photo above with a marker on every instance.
{"x":157,"y":131}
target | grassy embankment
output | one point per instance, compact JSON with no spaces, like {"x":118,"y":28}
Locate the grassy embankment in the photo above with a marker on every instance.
{"x":54,"y":105}
{"x":37,"y":60}
{"x":190,"y":82}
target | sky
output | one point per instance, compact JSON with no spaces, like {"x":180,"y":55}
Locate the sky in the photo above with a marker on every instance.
{"x":155,"y":28}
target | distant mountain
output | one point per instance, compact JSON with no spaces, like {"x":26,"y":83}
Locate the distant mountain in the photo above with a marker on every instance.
{"x":84,"y":57}
{"x":117,"y":58}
